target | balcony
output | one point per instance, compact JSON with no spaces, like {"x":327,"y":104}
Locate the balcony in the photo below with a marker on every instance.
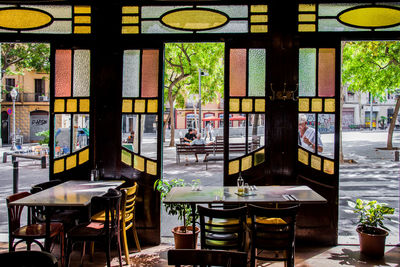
{"x":27,"y":97}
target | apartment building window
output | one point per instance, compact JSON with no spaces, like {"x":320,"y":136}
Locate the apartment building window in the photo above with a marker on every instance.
{"x":40,"y":90}
{"x":10,"y":84}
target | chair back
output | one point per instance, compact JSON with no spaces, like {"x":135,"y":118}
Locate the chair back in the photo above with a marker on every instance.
{"x":222,"y":228}
{"x":38,"y":214}
{"x":14,"y":212}
{"x":42,"y":186}
{"x":32,"y":258}
{"x":180,"y":257}
{"x":112,"y":204}
{"x":128,"y":203}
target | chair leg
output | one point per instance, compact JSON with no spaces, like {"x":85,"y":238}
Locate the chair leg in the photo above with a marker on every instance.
{"x":91,"y":251}
{"x":136,"y":237}
{"x":119,"y":248}
{"x":68,"y":252}
{"x":108,"y":252}
{"x":83,"y":252}
{"x":62,"y":248}
{"x":125,"y":243}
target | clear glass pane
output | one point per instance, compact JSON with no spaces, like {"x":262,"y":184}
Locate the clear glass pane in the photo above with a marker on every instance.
{"x":63,"y":65}
{"x":80,"y":131}
{"x":131,"y":71}
{"x":155,"y":26}
{"x":332,"y":9}
{"x":237,"y":135}
{"x":81,"y":73}
{"x":307,"y":71}
{"x":129,"y":128}
{"x":306,"y":134}
{"x":237,"y":72}
{"x":332,"y":25}
{"x":150,"y":73}
{"x":256,"y":131}
{"x":257,"y":67}
{"x":232,"y":11}
{"x":233,"y":26}
{"x":62,"y":135}
{"x":326,"y":127}
{"x":326,"y":72}
{"x":149,"y":136}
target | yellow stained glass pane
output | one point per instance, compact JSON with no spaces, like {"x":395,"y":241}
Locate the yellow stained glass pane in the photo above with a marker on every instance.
{"x":307,"y":27}
{"x":70,"y":162}
{"x":138,"y":163}
{"x":303,"y":156}
{"x":127,"y":106}
{"x":316,"y":105}
{"x":233,"y":167}
{"x":130,"y":10}
{"x":82,"y":9}
{"x":151,"y":167}
{"x":130,"y":19}
{"x":258,"y":18}
{"x":82,"y":29}
{"x":58,"y":165}
{"x":83,"y":156}
{"x":24,"y":19}
{"x":126,"y":157}
{"x":306,"y":17}
{"x":330,"y":105}
{"x":259,"y":157}
{"x":259,"y":28}
{"x":140,"y":105}
{"x":259,"y":9}
{"x":247,"y":105}
{"x":247,"y":162}
{"x":316,"y":162}
{"x":329,"y":166}
{"x":306,"y":7}
{"x":152,"y":106}
{"x":194,"y":19}
{"x":130,"y":29}
{"x":84,"y":105}
{"x":259,"y":105}
{"x":304,"y":104}
{"x":82,"y":19}
{"x":234,"y":104}
{"x":371,"y":16}
{"x":59,"y":105}
{"x":72,"y":105}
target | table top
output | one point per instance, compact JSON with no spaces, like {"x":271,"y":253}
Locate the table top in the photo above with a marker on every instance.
{"x":70,"y":193}
{"x":227,"y":194}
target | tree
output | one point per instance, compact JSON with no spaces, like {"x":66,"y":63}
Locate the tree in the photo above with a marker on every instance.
{"x":181,"y":78}
{"x":373,"y":67}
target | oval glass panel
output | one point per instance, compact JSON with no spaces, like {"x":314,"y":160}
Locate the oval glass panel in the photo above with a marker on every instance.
{"x":194,"y":19}
{"x":370,"y":17}
{"x":23,"y":19}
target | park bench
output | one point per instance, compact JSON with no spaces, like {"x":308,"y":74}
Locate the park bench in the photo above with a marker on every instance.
{"x":14,"y":156}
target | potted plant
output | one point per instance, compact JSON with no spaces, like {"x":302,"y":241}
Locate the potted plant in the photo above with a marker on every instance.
{"x":371,"y":230}
{"x":183,"y":235}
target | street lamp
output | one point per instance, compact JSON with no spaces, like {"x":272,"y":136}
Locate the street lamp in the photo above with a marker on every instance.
{"x":201,"y":73}
{"x":14,"y":94}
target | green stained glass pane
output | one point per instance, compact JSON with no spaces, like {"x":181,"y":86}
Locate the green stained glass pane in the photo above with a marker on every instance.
{"x":130,"y":83}
{"x":257,"y":59}
{"x":81,"y":76}
{"x":307,"y":71}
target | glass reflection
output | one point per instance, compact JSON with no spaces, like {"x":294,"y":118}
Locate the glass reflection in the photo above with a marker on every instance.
{"x":149,"y":136}
{"x":307,"y":134}
{"x":62,"y":135}
{"x":237,"y":135}
{"x":80,"y":133}
{"x":129,"y":128}
{"x":326,"y":126}
{"x":256,"y":130}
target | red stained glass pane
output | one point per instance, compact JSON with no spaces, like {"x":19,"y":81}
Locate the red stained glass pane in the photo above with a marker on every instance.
{"x":326,"y":72}
{"x":150,"y":73}
{"x":63,"y":69}
{"x":237,"y":72}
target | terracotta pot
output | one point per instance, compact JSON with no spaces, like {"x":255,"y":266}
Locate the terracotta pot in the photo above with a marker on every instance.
{"x":184,"y":240}
{"x":372,"y":245}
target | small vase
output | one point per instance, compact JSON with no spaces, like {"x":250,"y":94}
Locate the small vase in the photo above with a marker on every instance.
{"x":372,"y":245}
{"x":184,"y":240}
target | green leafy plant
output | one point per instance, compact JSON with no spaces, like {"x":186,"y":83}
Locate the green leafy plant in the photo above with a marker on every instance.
{"x":184,"y":211}
{"x":46,"y":135}
{"x":371,"y":214}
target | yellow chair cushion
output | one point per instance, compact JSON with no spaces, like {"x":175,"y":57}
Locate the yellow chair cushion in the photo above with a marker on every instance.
{"x":265,"y":220}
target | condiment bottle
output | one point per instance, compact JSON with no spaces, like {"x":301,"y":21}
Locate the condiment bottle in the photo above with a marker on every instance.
{"x":240,"y":183}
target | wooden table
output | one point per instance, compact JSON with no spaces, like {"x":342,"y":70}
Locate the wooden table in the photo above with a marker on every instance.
{"x":68,"y":194}
{"x":227,"y":195}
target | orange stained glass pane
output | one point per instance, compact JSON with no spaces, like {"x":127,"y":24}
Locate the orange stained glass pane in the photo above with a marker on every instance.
{"x":326,"y":72}
{"x":150,"y":73}
{"x":237,"y":72}
{"x":63,"y":67}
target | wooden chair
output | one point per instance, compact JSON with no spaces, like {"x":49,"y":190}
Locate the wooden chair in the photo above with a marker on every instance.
{"x":29,"y":259}
{"x":128,"y":203}
{"x":222,"y":228}
{"x":95,"y":231}
{"x":193,"y":257}
{"x":29,"y":233}
{"x":273,"y":232}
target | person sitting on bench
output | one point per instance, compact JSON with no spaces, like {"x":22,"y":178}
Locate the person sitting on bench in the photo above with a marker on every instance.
{"x":199,"y":141}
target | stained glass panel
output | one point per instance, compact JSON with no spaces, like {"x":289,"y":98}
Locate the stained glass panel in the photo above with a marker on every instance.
{"x":62,"y":134}
{"x":149,"y":136}
{"x":150,"y":73}
{"x":326,"y":127}
{"x":81,"y":73}
{"x":307,"y":131}
{"x":326,"y":72}
{"x":131,"y":69}
{"x":307,"y":71}
{"x":80,"y":131}
{"x":256,"y":131}
{"x":237,"y":72}
{"x":63,"y":66}
{"x":257,"y":68}
{"x":129,"y":128}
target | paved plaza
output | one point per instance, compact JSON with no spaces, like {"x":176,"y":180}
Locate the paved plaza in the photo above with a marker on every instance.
{"x":373,"y":175}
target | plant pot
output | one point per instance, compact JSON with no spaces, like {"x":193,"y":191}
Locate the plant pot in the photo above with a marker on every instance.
{"x":184,"y":240}
{"x":372,"y":245}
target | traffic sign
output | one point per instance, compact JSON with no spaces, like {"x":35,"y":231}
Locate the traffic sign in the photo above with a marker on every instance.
{"x":9,"y":111}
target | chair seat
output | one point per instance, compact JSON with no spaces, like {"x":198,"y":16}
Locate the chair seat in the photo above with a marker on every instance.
{"x":86,"y":230}
{"x":38,"y":230}
{"x":101,"y":217}
{"x":265,"y":220}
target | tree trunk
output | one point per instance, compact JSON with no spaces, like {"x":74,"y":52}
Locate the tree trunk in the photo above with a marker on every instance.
{"x":171,"y":116}
{"x":165,"y":126}
{"x":255,"y":124}
{"x":389,"y":145}
{"x":341,"y":156}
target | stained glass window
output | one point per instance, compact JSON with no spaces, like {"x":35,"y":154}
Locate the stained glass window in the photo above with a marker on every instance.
{"x":257,"y":72}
